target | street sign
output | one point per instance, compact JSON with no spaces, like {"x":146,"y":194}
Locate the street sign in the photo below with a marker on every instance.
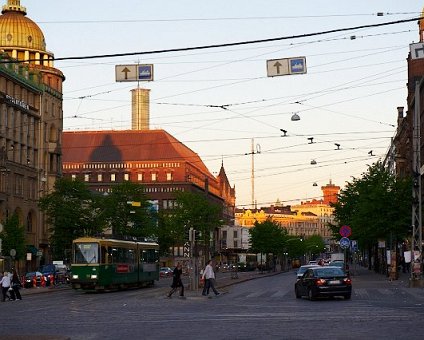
{"x":344,"y":243}
{"x":142,"y":72}
{"x":417,"y":50}
{"x":345,"y":231}
{"x":286,"y":66}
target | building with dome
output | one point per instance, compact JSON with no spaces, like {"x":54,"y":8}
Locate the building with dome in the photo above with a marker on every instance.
{"x":31,"y":124}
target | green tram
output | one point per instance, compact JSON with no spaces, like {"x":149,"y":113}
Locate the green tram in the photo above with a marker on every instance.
{"x":104,"y":264}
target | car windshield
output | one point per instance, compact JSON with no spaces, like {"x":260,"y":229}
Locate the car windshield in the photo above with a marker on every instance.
{"x":302,"y":270}
{"x":328,"y":272}
{"x":85,"y":253}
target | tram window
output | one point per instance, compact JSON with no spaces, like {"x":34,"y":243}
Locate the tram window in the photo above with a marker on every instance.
{"x":86,"y":253}
{"x":150,"y":256}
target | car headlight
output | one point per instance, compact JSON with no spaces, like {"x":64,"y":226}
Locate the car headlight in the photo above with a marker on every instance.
{"x":75,"y":276}
{"x":94,"y":276}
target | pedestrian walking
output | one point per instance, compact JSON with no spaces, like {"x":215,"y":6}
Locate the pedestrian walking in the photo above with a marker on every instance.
{"x":5,"y":286}
{"x":176,"y":281}
{"x":209,"y":277}
{"x":15,"y":283}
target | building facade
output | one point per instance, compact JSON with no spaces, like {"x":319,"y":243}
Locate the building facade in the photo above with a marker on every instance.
{"x":303,"y":220}
{"x":153,"y":158}
{"x":31,"y":123}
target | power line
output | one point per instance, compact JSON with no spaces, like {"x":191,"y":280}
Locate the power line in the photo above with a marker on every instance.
{"x":240,"y":43}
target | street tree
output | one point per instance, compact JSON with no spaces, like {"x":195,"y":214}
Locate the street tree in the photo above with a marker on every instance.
{"x":376,"y":206}
{"x":191,"y":210}
{"x":13,"y":237}
{"x":71,"y":212}
{"x":268,"y":237}
{"x":128,"y":212}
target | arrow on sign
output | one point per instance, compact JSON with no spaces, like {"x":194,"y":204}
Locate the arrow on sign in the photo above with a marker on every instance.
{"x":126,"y":70}
{"x":278,"y":65}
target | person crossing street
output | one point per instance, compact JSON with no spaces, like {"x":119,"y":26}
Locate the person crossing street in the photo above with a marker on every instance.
{"x":209,"y":277}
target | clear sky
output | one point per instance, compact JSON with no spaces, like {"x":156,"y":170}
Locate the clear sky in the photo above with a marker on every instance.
{"x":355,"y":81}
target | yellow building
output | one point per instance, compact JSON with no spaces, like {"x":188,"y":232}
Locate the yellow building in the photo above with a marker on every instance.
{"x":304,"y":219}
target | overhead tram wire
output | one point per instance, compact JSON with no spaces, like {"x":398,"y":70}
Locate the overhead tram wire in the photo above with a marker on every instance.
{"x":240,"y":43}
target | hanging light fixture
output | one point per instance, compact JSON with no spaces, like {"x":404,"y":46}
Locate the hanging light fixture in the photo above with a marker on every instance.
{"x":315,"y":184}
{"x":295,"y":117}
{"x":313,"y":162}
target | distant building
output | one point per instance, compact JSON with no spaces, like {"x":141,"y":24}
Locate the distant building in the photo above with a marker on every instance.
{"x":305,"y":219}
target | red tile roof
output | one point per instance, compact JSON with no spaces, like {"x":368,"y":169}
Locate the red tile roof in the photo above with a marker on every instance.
{"x":127,"y":145}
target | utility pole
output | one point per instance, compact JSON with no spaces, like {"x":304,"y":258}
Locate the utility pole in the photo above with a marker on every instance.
{"x":416,"y":245}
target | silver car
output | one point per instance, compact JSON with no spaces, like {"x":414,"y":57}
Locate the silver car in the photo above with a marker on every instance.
{"x":303,"y":269}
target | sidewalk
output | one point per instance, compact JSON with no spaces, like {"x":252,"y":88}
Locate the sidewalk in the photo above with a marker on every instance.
{"x":363,"y":277}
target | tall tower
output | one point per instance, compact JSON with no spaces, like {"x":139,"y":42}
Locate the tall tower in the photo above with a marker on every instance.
{"x":140,"y":119}
{"x":330,"y":192}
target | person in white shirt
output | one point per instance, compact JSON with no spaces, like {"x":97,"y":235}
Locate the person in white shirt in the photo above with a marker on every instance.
{"x":209,"y":277}
{"x":5,"y":285}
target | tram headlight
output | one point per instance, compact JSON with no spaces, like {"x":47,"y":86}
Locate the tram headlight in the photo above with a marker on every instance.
{"x":75,"y":276}
{"x":93,"y":276}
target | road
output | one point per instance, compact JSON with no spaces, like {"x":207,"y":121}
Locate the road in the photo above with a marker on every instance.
{"x":264,"y":308}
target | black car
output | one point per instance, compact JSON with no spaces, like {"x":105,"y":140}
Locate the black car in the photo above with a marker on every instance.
{"x":323,"y":281}
{"x":29,"y":279}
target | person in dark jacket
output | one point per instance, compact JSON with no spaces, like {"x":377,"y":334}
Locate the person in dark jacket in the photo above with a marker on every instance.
{"x":16,"y":285}
{"x":176,"y":281}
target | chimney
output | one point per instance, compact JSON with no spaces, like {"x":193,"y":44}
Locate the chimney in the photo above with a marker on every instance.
{"x":400,"y":115}
{"x":140,"y":109}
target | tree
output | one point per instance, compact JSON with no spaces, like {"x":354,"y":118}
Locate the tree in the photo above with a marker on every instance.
{"x":128,"y":212}
{"x":192,"y":210}
{"x":267,"y":237}
{"x":71,"y":212}
{"x":13,"y":237}
{"x":375,"y":206}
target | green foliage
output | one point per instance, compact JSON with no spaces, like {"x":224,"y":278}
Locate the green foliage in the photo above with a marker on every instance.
{"x":192,"y":210}
{"x":13,"y":237}
{"x":314,"y":245}
{"x":137,"y":220}
{"x":268,"y":237}
{"x":376,"y":206}
{"x":71,"y":211}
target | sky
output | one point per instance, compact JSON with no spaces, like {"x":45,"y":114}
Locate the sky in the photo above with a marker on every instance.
{"x":220,"y":101}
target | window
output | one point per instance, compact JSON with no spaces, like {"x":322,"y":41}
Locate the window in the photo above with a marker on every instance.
{"x":86,"y":177}
{"x":74,"y":177}
{"x":169,"y":176}
{"x":140,"y":177}
{"x":154,"y":177}
{"x":112,"y":177}
{"x":126,"y":177}
{"x":99,"y":177}
{"x":235,"y":234}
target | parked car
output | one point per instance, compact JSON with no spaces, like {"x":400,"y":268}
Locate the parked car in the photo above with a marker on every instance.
{"x":303,"y":269}
{"x":166,"y":272}
{"x":29,"y":279}
{"x":322,"y":281}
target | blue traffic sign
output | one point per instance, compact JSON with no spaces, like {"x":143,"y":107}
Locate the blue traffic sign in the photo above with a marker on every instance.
{"x":344,"y":242}
{"x":297,"y":65}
